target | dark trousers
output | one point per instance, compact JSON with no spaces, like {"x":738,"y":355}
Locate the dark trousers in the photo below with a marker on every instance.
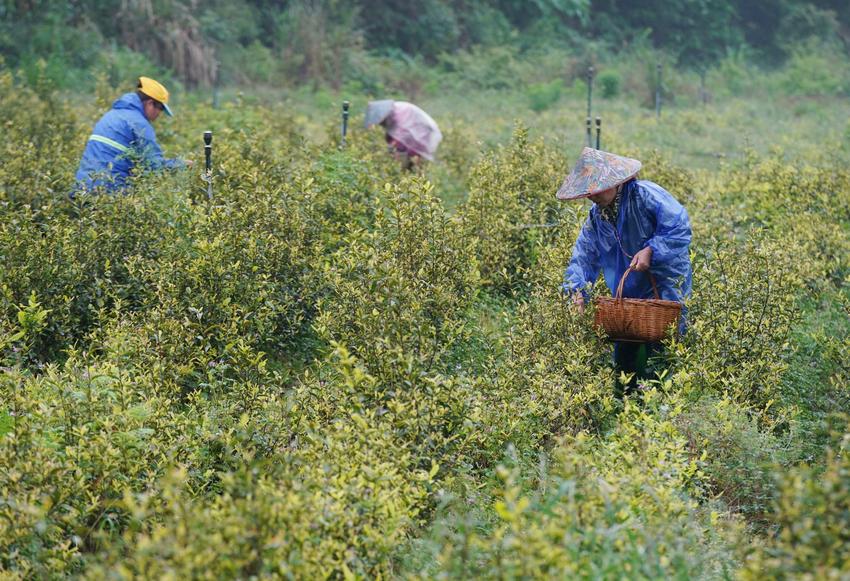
{"x":632,"y":358}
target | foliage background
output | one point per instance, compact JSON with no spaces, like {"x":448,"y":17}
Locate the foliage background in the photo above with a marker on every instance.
{"x":330,"y":42}
{"x":338,"y":369}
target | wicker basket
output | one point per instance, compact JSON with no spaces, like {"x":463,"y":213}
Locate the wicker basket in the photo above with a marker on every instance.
{"x":639,"y":320}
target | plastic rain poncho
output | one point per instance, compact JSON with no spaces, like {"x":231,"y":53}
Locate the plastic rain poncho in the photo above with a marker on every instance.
{"x":648,"y":216}
{"x":414,"y":129}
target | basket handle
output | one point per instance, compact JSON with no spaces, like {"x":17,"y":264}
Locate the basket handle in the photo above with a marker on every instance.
{"x":619,"y":294}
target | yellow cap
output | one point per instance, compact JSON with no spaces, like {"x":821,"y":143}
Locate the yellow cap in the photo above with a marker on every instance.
{"x":155,"y":91}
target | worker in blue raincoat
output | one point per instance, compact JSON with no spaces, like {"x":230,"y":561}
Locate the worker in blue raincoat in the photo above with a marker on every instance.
{"x":633,"y":224}
{"x":124,"y":139}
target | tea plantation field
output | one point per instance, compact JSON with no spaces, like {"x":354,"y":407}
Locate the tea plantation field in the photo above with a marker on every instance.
{"x":336,"y":369}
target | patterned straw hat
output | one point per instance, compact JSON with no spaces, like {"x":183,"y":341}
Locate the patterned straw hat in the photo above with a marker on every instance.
{"x":597,"y":171}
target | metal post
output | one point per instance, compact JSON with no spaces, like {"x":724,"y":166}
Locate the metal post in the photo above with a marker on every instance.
{"x":345,"y":105}
{"x":208,"y":163}
{"x":589,"y":132}
{"x":598,"y":131}
{"x":589,"y":101}
{"x":658,"y":91}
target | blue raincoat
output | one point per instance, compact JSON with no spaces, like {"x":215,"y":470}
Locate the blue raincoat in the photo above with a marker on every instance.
{"x":648,"y":216}
{"x":122,"y":139}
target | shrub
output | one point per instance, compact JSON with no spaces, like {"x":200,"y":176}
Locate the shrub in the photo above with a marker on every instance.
{"x":398,"y":295}
{"x":558,"y":363}
{"x":71,"y":460}
{"x":739,"y":458}
{"x":609,"y":84}
{"x":740,"y":320}
{"x":597,"y":509}
{"x":733,"y":75}
{"x":483,"y":68}
{"x":346,"y":485}
{"x":813,"y":516}
{"x":36,"y":121}
{"x":284,"y":380}
{"x":75,"y":258}
{"x":542,"y":96}
{"x":511,"y":208}
{"x":811,"y":72}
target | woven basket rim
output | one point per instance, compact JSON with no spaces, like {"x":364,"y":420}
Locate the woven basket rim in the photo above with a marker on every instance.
{"x":645,"y":302}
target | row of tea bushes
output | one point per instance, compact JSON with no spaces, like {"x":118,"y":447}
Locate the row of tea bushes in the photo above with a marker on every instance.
{"x":287,"y":382}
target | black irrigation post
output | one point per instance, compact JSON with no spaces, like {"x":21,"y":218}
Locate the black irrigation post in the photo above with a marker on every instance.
{"x":598,"y":131}
{"x":658,"y":91}
{"x":589,"y":102}
{"x":208,"y":163}
{"x":345,"y":105}
{"x":589,"y":132}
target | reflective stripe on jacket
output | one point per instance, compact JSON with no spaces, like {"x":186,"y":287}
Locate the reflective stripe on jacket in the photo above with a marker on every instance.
{"x":107,"y":141}
{"x":121,"y":139}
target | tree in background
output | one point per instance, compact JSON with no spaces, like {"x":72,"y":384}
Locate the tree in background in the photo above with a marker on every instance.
{"x":169,"y":32}
{"x":426,"y":28}
{"x":293,"y":41}
{"x":695,"y":32}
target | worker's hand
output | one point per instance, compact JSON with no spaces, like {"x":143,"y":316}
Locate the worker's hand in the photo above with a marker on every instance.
{"x":578,"y":301}
{"x":189,"y":162}
{"x":642,"y":260}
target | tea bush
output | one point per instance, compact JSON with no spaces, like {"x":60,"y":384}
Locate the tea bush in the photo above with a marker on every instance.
{"x":398,"y":295}
{"x":555,"y":365}
{"x":76,"y":260}
{"x":599,"y":509}
{"x":812,"y":516}
{"x":70,"y":460}
{"x":41,"y":141}
{"x":509,"y":207}
{"x":297,"y":377}
{"x":741,"y":319}
{"x":739,"y":457}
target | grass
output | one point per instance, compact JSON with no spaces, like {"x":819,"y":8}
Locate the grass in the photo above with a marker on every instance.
{"x":691,"y":135}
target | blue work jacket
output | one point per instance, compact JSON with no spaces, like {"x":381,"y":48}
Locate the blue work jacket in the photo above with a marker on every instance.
{"x":122,"y":139}
{"x":648,"y":216}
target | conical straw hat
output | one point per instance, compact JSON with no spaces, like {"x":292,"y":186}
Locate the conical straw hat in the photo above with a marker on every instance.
{"x":597,"y":171}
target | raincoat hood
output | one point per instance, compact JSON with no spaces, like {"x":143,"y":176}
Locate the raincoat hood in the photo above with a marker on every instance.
{"x":377,"y":112}
{"x":129,"y":101}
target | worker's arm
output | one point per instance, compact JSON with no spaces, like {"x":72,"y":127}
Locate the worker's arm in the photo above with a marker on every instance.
{"x":150,"y":152}
{"x":584,"y":263}
{"x":672,"y":225}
